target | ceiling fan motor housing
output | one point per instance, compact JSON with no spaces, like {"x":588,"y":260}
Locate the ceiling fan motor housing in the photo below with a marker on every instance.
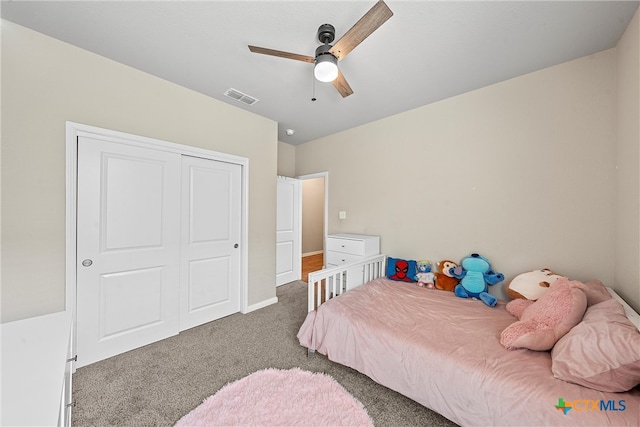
{"x":326,"y":33}
{"x":326,"y":69}
{"x":323,"y":50}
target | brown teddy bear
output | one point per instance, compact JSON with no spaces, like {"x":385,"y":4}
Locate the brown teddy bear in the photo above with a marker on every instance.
{"x":444,"y":279}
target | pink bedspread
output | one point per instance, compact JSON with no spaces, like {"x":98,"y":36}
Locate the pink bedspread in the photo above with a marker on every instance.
{"x":444,"y":352}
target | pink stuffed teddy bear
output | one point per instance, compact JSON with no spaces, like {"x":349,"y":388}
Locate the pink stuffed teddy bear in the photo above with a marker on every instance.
{"x":543,"y":322}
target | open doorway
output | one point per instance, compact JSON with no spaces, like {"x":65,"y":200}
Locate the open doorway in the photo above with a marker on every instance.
{"x":314,"y":221}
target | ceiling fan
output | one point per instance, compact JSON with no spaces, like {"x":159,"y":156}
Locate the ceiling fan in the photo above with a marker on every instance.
{"x":327,"y":56}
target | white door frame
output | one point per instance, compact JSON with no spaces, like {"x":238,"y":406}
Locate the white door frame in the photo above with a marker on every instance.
{"x":73,"y":131}
{"x":324,"y":175}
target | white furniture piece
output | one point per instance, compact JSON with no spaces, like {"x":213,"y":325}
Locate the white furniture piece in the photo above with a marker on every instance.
{"x":36,"y":371}
{"x":350,"y":248}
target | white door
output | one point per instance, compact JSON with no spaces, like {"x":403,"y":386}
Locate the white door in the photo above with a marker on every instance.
{"x":288,"y":231}
{"x":128,"y":240}
{"x":210,"y":254}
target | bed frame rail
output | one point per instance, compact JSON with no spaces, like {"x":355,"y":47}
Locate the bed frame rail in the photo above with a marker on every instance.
{"x":331,"y":282}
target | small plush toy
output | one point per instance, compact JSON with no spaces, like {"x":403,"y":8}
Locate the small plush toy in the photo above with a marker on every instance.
{"x":532,"y":284}
{"x":424,"y":277}
{"x":543,"y":322}
{"x":475,"y":274}
{"x":444,"y":279}
{"x":401,"y":270}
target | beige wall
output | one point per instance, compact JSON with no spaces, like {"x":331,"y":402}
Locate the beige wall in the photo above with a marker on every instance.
{"x":286,"y":160}
{"x":522,"y":172}
{"x":627,"y":259}
{"x":312,"y":215}
{"x":46,"y":82}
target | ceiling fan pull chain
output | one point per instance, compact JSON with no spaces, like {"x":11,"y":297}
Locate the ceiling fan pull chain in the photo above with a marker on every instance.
{"x":313,"y":88}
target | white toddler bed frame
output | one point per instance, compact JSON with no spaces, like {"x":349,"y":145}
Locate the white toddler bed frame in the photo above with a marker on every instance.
{"x":328,"y":283}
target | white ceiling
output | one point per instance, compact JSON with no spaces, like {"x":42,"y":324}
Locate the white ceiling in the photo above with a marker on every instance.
{"x":427,"y":51}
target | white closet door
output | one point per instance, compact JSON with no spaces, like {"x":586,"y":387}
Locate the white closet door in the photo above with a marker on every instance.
{"x":288,"y":231}
{"x":128,"y":238}
{"x":210,"y":254}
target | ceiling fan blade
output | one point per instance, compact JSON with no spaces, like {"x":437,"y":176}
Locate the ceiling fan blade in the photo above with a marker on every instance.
{"x":340,"y":83}
{"x":281,"y":54}
{"x":370,"y":21}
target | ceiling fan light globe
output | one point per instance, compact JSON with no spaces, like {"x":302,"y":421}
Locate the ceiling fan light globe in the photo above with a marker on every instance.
{"x":326,"y":69}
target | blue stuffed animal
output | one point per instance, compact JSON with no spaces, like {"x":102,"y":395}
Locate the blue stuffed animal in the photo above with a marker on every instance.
{"x":475,"y":274}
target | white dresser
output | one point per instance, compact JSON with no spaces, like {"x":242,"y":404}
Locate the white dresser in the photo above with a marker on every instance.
{"x":347,"y":248}
{"x":36,"y":371}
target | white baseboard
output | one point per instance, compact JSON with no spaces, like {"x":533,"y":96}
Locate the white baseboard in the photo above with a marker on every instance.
{"x":261,"y":304}
{"x":312,"y":253}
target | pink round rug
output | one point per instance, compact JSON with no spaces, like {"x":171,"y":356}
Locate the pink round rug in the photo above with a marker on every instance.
{"x":274,"y":397}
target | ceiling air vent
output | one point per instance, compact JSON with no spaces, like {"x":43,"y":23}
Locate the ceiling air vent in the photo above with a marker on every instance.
{"x":240,"y":97}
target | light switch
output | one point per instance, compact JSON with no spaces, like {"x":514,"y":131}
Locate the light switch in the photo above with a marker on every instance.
{"x":342,"y":214}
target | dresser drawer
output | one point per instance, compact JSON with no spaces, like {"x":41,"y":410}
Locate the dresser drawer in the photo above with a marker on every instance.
{"x":346,"y":246}
{"x":338,"y":258}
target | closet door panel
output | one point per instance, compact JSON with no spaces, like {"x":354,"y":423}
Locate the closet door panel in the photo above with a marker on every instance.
{"x":128,"y":237}
{"x":210,"y":255}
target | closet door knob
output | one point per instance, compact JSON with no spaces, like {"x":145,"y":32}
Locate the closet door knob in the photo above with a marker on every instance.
{"x":86,"y":263}
{"x":235,"y":246}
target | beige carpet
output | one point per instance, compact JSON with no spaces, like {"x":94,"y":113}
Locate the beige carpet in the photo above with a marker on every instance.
{"x":158,"y":384}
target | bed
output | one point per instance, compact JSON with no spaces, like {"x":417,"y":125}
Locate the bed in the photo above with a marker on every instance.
{"x":444,"y":352}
